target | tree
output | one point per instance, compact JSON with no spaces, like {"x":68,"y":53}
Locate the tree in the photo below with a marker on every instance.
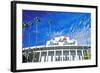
{"x":37,"y":20}
{"x":25,"y":25}
{"x":29,"y":25}
{"x":49,"y":22}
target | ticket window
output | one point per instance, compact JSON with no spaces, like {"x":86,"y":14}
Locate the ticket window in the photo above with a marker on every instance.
{"x":51,"y":56}
{"x":65,"y":55}
{"x":36,"y":56}
{"x":43,"y":56}
{"x":58,"y":56}
{"x":73,"y":54}
{"x":79,"y":54}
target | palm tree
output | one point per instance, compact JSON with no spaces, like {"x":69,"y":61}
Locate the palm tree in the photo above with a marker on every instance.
{"x":37,"y":19}
{"x":50,"y":22}
{"x":29,"y":24}
{"x":29,"y":32}
{"x":25,"y":25}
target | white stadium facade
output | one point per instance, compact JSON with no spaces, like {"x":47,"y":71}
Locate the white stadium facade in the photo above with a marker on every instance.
{"x":59,"y":49}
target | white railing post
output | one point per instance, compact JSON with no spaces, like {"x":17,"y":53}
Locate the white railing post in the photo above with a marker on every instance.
{"x":82,"y":55}
{"x":40,"y":57}
{"x":62,"y":55}
{"x":69,"y":55}
{"x":54,"y":56}
{"x":47,"y":56}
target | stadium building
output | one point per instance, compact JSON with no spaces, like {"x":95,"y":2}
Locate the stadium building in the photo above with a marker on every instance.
{"x":58,"y":49}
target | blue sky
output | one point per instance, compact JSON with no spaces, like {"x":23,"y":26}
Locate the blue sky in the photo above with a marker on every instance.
{"x":75,"y":25}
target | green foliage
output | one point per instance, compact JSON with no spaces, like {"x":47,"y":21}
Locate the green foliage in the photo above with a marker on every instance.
{"x":87,"y":55}
{"x":23,"y":25}
{"x":30,"y":23}
{"x":37,"y":19}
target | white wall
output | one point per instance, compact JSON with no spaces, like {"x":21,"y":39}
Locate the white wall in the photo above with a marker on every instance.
{"x":5,"y":37}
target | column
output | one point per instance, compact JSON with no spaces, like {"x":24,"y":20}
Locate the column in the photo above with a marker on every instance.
{"x":40,"y":57}
{"x":33,"y":57}
{"x":47,"y":56}
{"x":69,"y":55}
{"x":27,"y":56}
{"x":54,"y":56}
{"x":62,"y":54}
{"x":82,"y":55}
{"x":76,"y":57}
